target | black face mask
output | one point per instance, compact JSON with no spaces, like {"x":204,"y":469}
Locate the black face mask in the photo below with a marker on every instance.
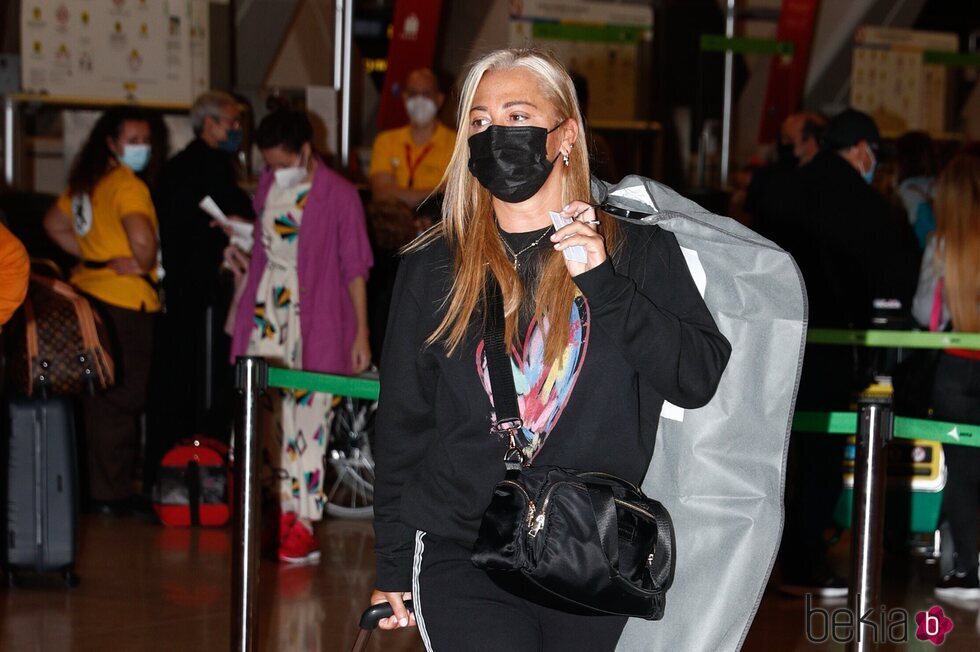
{"x":511,"y":162}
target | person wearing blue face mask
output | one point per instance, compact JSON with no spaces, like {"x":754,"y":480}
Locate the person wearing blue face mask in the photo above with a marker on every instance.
{"x":106,"y":218}
{"x":198,"y":293}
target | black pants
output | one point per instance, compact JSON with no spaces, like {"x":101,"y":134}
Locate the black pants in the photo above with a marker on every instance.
{"x":183,"y":358}
{"x":112,"y":417}
{"x":813,"y":487}
{"x":956,"y":398}
{"x":813,"y":478}
{"x":460,"y":609}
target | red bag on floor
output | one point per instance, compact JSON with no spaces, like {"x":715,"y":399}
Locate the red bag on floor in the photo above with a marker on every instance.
{"x":194,"y":484}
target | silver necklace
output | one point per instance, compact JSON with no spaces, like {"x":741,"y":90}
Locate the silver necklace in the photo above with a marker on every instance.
{"x":514,"y":254}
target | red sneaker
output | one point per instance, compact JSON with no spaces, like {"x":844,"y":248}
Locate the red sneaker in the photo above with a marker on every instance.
{"x":300,"y":546}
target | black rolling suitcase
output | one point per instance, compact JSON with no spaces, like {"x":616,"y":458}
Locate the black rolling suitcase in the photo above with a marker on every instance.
{"x":42,"y":494}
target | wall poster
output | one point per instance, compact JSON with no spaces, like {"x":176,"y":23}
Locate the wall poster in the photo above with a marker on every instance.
{"x":144,"y":50}
{"x":890,"y":82}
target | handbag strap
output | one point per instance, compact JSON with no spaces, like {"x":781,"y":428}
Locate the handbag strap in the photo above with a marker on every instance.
{"x":662,"y":566}
{"x":604,"y":509}
{"x":508,"y":414}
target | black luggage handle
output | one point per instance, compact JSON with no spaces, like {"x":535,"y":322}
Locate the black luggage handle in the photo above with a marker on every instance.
{"x":369,"y":622}
{"x":373,"y":614}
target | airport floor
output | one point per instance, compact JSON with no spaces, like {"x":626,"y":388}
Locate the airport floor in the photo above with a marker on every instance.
{"x":148,"y":588}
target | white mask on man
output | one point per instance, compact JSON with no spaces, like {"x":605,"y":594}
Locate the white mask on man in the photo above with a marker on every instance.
{"x":420,"y":109}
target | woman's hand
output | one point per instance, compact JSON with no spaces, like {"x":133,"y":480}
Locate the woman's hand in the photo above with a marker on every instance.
{"x":402,"y":617}
{"x":228,"y":227}
{"x":360,"y":353}
{"x":236,"y":260}
{"x":581,"y":232}
{"x":126,"y":266}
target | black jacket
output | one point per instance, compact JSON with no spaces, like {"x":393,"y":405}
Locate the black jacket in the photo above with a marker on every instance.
{"x":192,"y":249}
{"x":643,"y":335}
{"x":850,"y":245}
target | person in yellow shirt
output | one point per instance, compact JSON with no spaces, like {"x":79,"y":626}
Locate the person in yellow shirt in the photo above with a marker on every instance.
{"x":407,"y":163}
{"x":15,"y":270}
{"x":106,"y":218}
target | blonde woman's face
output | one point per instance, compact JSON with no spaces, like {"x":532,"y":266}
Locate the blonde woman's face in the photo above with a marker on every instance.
{"x":512,"y":98}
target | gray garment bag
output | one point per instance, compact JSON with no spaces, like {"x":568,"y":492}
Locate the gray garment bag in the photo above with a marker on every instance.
{"x":720,"y":469}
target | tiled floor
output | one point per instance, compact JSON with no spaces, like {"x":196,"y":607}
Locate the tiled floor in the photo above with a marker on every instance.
{"x":149,"y":588}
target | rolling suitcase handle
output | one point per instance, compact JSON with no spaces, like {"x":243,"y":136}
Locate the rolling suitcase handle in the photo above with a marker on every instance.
{"x":369,"y":622}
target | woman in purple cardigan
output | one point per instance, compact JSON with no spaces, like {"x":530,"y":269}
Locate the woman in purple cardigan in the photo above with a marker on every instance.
{"x":311,"y":257}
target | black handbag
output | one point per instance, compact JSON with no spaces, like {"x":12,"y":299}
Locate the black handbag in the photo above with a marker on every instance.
{"x":579,"y":541}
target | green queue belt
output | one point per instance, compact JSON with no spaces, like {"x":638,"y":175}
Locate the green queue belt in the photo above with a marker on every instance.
{"x":844,"y":423}
{"x":353,"y":386}
{"x":895,"y":339}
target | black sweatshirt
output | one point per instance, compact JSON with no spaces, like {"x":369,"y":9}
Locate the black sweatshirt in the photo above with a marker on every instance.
{"x":643,"y":335}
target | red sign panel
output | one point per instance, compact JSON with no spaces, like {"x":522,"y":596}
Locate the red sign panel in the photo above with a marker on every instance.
{"x":787,"y":77}
{"x":413,"y":45}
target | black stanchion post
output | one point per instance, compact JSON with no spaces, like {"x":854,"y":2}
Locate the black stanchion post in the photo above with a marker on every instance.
{"x":251,"y":379}
{"x":875,"y":429}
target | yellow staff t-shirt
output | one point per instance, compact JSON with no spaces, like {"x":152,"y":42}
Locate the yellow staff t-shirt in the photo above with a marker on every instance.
{"x":97,"y":219}
{"x":419,"y":167}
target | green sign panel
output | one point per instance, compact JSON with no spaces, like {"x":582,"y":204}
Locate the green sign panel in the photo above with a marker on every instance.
{"x":746,"y":45}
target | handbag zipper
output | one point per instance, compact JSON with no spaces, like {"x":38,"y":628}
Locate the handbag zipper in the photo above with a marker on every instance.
{"x":618,"y":480}
{"x":634,"y":508}
{"x":530,"y":503}
{"x":539,"y":519}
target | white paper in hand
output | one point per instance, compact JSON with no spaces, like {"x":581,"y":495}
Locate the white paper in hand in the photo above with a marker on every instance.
{"x":575,"y":254}
{"x":241,"y":233}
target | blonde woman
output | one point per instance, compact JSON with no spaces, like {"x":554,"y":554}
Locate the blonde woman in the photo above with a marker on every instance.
{"x":949,"y":294}
{"x":596,"y":349}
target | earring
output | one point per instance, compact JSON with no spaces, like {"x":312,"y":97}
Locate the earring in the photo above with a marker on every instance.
{"x":564,"y":159}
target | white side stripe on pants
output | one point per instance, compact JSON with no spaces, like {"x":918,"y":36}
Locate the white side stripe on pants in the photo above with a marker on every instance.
{"x":416,"y":602}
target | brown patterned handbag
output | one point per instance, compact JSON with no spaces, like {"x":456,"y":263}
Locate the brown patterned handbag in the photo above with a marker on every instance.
{"x":58,"y":343}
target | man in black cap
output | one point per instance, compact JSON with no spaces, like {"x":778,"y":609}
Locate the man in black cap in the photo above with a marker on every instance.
{"x":854,"y":254}
{"x":865,"y":251}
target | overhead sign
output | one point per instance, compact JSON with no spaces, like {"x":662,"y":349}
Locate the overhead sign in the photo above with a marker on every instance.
{"x":586,"y":11}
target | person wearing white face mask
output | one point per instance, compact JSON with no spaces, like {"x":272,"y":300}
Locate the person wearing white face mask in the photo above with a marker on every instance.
{"x":407,"y":163}
{"x":406,"y":171}
{"x":304,"y":306}
{"x":106,"y":218}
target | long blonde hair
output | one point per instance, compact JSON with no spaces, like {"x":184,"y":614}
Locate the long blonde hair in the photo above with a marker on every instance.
{"x":957,"y":211}
{"x":468,"y":224}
